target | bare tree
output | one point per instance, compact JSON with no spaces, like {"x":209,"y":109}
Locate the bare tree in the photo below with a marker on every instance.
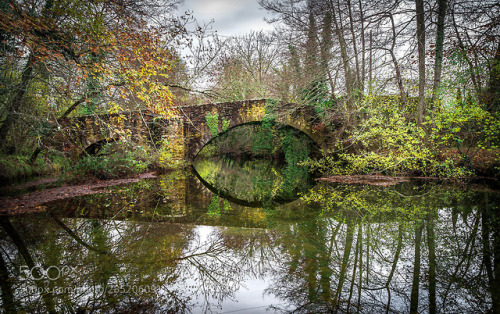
{"x":438,"y":63}
{"x":419,"y":9}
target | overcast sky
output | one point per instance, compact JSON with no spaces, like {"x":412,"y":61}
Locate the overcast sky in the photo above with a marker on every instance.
{"x":231,"y":17}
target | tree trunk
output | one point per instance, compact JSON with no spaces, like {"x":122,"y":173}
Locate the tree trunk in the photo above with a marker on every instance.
{"x":439,"y":49}
{"x":416,"y":270}
{"x":8,"y":299}
{"x":311,"y":65}
{"x":347,"y":68}
{"x":419,"y":5}
{"x":399,"y":80}
{"x":354,"y":47}
{"x":24,"y":252}
{"x":493,"y":95}
{"x":472,"y":70}
{"x":17,"y":100}
{"x":26,"y":77}
{"x":325,"y":49}
{"x":345,"y":261}
{"x":397,"y":70}
{"x":431,"y":242}
{"x":370,"y":66}
{"x":363,"y":48}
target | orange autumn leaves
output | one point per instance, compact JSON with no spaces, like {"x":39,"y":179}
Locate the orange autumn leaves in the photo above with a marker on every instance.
{"x":134,"y":65}
{"x":88,"y":47}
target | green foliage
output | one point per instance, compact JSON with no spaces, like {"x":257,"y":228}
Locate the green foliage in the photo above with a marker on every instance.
{"x":116,"y":160}
{"x":227,"y":206}
{"x":462,"y":73}
{"x":296,"y":153}
{"x":264,"y":138}
{"x":257,"y":180}
{"x":257,"y":140}
{"x":238,"y":142}
{"x":87,"y":109}
{"x":167,"y":156}
{"x":225,"y":124}
{"x":384,"y":142}
{"x":317,"y":95}
{"x":404,"y":202}
{"x":13,"y":167}
{"x":466,"y":126}
{"x":271,"y":106}
{"x":97,"y":62}
{"x":214,"y":207}
{"x":212,"y":120}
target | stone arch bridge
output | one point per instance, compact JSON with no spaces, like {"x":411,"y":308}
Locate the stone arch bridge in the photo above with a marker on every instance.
{"x":188,"y":132}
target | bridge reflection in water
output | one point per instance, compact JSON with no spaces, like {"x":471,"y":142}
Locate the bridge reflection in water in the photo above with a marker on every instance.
{"x":172,"y":244}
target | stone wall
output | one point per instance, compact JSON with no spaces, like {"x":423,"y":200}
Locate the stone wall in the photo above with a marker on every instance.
{"x":196,"y":130}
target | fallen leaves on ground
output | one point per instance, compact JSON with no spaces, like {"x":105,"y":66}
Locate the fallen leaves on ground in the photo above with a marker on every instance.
{"x":32,"y":202}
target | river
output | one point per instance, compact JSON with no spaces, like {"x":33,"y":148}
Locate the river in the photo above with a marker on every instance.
{"x":256,"y":236}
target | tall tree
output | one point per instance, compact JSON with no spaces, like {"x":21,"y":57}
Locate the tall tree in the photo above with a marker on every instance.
{"x":493,"y":93}
{"x":438,"y":63}
{"x":348,"y":77}
{"x":326,"y":46}
{"x":16,"y":100}
{"x":357,"y":82}
{"x":363,"y":45}
{"x":311,"y":47}
{"x":419,"y":9}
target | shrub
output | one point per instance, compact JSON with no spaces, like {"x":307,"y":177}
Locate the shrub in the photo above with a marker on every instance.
{"x":116,"y":160}
{"x":14,"y":167}
{"x":464,"y":125}
{"x":167,"y":156}
{"x":384,"y":142}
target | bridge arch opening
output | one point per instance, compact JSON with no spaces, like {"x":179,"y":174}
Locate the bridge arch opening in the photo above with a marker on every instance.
{"x":105,"y":146}
{"x":94,"y":148}
{"x":259,"y":139}
{"x":257,"y":164}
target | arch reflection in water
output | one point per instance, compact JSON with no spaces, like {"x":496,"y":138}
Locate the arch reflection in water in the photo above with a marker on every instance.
{"x":260,"y":183}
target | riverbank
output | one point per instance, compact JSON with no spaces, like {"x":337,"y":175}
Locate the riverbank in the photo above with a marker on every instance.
{"x":29,"y":197}
{"x":33,"y":201}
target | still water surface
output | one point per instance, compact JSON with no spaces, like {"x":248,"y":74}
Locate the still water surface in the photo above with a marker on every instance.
{"x":255,"y":236}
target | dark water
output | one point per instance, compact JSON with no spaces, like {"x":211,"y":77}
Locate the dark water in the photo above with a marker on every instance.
{"x":256,"y":236}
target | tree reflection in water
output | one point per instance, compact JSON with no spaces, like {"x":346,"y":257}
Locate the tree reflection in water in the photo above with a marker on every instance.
{"x":400,"y":249}
{"x":339,"y":248}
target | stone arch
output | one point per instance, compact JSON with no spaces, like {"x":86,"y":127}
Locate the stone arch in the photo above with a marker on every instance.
{"x":257,"y":122}
{"x":197,"y":132}
{"x":95,"y":147}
